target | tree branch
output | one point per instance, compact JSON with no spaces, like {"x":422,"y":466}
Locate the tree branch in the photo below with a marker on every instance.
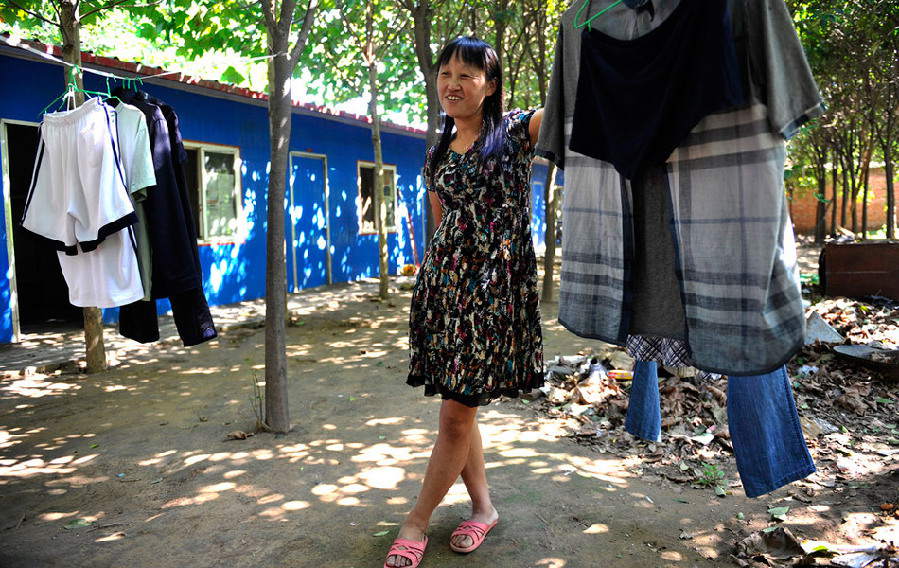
{"x":30,"y":13}
{"x":112,"y":4}
{"x":268,"y":12}
{"x":298,"y":47}
{"x":285,"y":16}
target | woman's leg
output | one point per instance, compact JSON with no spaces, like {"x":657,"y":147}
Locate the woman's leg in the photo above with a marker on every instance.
{"x":448,"y":458}
{"x":475,"y":477}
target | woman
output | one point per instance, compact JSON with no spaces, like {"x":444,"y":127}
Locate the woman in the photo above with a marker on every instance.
{"x":474,"y":324}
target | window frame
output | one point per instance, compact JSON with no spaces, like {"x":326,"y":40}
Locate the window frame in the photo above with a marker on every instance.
{"x":240,"y":235}
{"x":360,"y":164}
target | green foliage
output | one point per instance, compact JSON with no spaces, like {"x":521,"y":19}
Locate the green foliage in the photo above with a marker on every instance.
{"x":710,"y":475}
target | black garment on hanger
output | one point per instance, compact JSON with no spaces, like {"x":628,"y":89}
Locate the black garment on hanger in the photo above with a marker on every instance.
{"x":169,"y":224}
{"x":176,"y":273}
{"x":637,"y":100}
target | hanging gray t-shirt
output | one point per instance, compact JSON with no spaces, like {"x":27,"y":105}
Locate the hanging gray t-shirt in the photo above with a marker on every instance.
{"x":137,"y":163}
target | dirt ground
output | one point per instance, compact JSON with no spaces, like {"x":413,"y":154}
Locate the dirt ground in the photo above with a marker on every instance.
{"x":132,"y":467}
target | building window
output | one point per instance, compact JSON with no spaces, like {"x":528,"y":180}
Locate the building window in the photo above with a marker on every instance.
{"x":213,"y":182}
{"x":366,"y":204}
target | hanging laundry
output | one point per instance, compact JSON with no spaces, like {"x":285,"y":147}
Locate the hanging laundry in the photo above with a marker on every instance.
{"x":735,"y":274}
{"x":176,"y":271}
{"x":137,"y":163}
{"x":638,"y":99}
{"x":689,"y":258}
{"x":79,"y":201}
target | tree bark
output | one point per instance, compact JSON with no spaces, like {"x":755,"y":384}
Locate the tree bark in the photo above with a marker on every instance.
{"x":70,"y":31}
{"x":890,"y":189}
{"x":277,"y":412}
{"x":422,"y":14}
{"x":378,"y":189}
{"x":280,"y":70}
{"x":833,"y":203}
{"x":845,"y":191}
{"x":821,"y":211}
{"x":866,"y":183}
{"x":549,"y":255}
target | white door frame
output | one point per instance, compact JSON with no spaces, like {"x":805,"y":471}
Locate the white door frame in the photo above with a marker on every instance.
{"x":293,"y":236}
{"x":7,"y":208}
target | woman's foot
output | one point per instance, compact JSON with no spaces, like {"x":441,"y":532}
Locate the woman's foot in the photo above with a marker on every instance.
{"x":410,"y":533}
{"x":488,"y":517}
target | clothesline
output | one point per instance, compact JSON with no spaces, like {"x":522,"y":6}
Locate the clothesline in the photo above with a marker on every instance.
{"x":14,"y":42}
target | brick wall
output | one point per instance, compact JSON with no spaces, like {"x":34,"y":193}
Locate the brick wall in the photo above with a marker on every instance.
{"x":804,"y":205}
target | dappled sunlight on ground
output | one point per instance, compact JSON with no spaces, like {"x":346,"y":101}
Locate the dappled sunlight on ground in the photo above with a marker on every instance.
{"x":135,"y":467}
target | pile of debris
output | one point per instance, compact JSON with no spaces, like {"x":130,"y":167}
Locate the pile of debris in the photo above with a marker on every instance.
{"x":849,"y":410}
{"x":592,"y":395}
{"x":862,"y":321}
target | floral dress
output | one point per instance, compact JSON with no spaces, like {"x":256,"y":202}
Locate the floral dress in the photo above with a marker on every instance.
{"x":475,"y":320}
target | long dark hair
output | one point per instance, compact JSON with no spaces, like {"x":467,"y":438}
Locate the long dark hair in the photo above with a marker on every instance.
{"x":480,"y":54}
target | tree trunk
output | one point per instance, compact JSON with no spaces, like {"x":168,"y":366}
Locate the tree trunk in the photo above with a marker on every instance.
{"x":890,"y":189}
{"x":371,"y":61}
{"x":70,"y":31}
{"x":845,"y":191}
{"x":866,"y":183}
{"x":378,"y":190}
{"x":549,"y":255}
{"x":422,"y":15}
{"x":821,"y":211}
{"x":833,"y":202}
{"x":277,"y":412}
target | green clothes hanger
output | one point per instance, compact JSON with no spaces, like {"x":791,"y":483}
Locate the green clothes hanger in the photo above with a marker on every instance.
{"x":72,"y":88}
{"x":584,"y":6}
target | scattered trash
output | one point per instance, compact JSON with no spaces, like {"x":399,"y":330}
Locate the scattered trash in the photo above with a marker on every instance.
{"x":778,"y":513}
{"x":765,"y":547}
{"x":381,"y":533}
{"x":872,"y":355}
{"x":819,"y":331}
{"x":77,"y":524}
{"x":807,"y":370}
{"x":620,"y":375}
{"x":704,"y":439}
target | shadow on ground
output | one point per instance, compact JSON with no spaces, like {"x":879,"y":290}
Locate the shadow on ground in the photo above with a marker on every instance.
{"x":132,"y":467}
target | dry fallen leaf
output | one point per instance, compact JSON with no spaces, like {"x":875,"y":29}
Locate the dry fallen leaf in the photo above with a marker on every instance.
{"x":237,"y":435}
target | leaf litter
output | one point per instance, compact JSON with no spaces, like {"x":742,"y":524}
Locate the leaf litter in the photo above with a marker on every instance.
{"x":849,"y":414}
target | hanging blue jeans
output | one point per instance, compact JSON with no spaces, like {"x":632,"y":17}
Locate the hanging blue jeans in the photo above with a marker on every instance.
{"x":764,"y":426}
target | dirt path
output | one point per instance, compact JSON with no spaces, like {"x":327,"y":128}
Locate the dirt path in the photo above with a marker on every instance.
{"x":131,"y":467}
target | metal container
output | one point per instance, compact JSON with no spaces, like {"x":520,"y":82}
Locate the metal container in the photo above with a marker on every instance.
{"x":859,"y":269}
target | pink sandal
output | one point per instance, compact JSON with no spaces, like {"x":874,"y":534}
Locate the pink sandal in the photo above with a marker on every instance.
{"x":412,"y":550}
{"x":477,"y":532}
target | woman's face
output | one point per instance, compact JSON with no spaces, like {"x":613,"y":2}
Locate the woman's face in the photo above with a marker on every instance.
{"x":462,"y":88}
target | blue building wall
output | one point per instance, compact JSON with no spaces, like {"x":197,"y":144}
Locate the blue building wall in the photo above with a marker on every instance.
{"x":236,"y":271}
{"x":538,"y":203}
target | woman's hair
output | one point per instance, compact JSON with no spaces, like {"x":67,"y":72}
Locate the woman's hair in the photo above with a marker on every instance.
{"x":475,"y":52}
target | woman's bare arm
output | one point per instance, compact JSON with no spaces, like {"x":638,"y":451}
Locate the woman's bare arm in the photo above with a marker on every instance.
{"x":534,"y":126}
{"x":436,"y":208}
